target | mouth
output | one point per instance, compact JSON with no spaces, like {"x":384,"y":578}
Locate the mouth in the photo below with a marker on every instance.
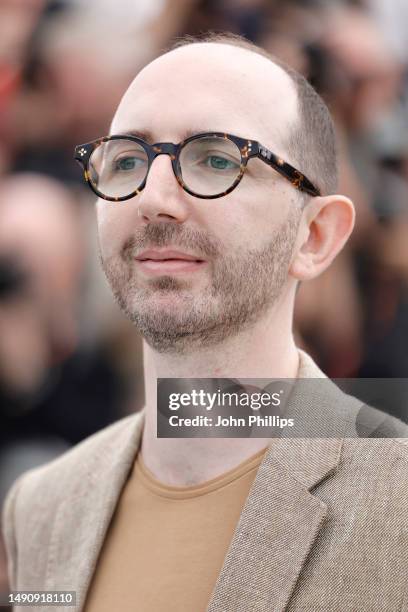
{"x":167,"y":261}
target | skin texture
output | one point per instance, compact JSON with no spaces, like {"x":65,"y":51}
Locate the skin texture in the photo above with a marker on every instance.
{"x":233,"y":316}
{"x":244,"y":277}
{"x":177,"y":314}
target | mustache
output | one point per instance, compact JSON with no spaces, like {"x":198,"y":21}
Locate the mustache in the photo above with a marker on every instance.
{"x":170,"y":234}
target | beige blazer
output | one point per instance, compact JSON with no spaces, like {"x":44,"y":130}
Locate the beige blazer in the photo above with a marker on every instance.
{"x":324,"y":528}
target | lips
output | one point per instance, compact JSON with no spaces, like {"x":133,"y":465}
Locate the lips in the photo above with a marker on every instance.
{"x":167,"y":261}
{"x":166,"y":255}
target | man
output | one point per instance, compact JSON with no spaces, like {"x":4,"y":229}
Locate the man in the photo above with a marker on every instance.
{"x":204,"y":252}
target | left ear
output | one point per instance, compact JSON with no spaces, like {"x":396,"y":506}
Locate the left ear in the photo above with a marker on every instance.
{"x":326,"y":224}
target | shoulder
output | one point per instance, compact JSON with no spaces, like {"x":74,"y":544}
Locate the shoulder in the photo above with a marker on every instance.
{"x":373,"y":423}
{"x":341,"y":413}
{"x":369,"y":491}
{"x":32,"y":504}
{"x":48,"y":482}
{"x":91,"y":448}
{"x":377,"y":462}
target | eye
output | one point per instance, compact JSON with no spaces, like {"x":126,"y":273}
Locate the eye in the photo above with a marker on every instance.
{"x":129,"y":163}
{"x":219,"y":162}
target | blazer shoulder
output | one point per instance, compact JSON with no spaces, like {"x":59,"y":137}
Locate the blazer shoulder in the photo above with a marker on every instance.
{"x":374,"y":423}
{"x":34,"y":499}
{"x":50,"y":479}
{"x":382,"y":453}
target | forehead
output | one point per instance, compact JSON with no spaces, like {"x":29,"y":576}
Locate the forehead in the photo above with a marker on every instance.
{"x":209,"y":86}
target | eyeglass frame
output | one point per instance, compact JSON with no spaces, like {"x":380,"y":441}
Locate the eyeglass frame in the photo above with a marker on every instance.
{"x":248,"y":148}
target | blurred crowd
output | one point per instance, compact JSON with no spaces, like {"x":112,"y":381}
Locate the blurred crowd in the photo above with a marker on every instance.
{"x":68,"y":358}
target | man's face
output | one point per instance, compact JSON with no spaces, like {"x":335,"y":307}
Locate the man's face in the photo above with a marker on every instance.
{"x":242,"y":243}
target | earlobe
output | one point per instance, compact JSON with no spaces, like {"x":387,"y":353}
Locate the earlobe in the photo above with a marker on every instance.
{"x":325,"y":228}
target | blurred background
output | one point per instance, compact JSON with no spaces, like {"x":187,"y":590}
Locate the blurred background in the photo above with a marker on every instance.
{"x":68,"y":357}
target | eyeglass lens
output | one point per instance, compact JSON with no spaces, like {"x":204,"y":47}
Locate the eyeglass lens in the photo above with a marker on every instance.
{"x":209,"y":166}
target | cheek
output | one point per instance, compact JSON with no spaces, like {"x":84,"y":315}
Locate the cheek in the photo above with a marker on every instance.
{"x":249,"y":221}
{"x":272,"y":209}
{"x":115,"y":223}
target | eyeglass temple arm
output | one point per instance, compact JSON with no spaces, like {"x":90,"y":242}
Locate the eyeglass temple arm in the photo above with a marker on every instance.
{"x":298,"y":180}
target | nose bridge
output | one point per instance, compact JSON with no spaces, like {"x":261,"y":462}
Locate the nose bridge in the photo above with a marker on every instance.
{"x":160,"y":199}
{"x":165,"y":148}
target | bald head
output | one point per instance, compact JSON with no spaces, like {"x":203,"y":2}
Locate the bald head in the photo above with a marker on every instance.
{"x":214,"y":87}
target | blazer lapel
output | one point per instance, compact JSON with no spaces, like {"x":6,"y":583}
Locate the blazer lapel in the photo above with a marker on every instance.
{"x":281,"y":518}
{"x":277,"y":528}
{"x":81,"y":524}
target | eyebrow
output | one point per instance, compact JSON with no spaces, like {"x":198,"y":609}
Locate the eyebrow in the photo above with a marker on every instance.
{"x":147,"y":136}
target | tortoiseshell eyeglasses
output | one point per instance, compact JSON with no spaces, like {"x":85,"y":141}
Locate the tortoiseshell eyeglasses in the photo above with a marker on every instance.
{"x":208,"y":165}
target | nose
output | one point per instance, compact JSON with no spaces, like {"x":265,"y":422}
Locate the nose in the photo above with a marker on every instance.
{"x":162,"y":199}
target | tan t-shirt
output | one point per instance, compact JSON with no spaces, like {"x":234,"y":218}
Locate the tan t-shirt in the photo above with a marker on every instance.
{"x":166,"y":545}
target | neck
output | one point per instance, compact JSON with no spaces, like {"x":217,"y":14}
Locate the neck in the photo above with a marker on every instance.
{"x":265,"y":351}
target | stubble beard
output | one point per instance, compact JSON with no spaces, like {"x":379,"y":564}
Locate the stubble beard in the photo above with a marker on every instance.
{"x":242,"y":287}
